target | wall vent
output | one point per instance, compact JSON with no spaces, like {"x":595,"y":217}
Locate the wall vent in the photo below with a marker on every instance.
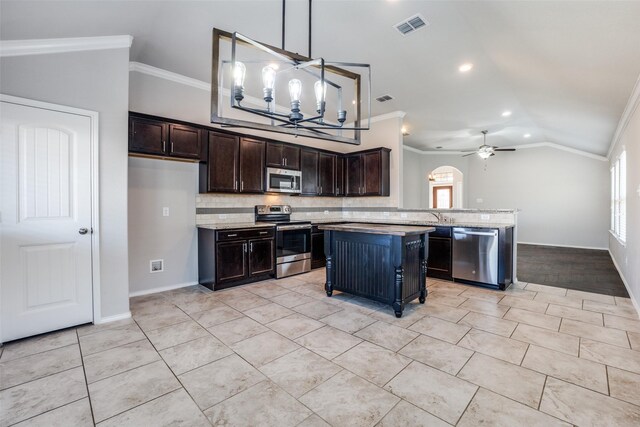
{"x":384,"y":98}
{"x":411,"y":24}
{"x":156,"y":266}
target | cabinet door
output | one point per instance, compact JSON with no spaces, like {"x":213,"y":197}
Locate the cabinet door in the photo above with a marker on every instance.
{"x":372,"y":175}
{"x":340,"y":176}
{"x":261,"y":257}
{"x":353,"y":178}
{"x":147,"y":136}
{"x":251,"y":166}
{"x":184,"y":141}
{"x":309,"y":164}
{"x":274,"y":156}
{"x":439,"y":262}
{"x":317,"y":251}
{"x":291,"y":157}
{"x":222,"y":165}
{"x":327,"y":174}
{"x":231,"y":262}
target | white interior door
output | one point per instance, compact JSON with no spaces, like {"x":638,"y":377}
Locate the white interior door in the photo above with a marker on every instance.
{"x":45,"y":254}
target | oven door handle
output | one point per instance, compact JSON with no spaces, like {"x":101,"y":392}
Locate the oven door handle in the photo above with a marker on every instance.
{"x":293,"y":227}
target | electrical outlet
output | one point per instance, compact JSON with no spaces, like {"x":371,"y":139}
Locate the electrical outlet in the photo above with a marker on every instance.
{"x":403,"y":215}
{"x":385,"y":213}
{"x":222,"y":216}
{"x":485,"y":217}
{"x":156,"y":266}
{"x":165,"y":211}
{"x":326,"y":212}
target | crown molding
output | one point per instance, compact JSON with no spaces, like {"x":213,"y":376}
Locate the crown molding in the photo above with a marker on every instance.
{"x":76,"y":44}
{"x":169,"y":75}
{"x":519,"y":147}
{"x":392,"y":115}
{"x":630,"y":108}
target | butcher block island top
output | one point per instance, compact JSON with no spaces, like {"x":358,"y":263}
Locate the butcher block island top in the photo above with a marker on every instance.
{"x":386,"y":229}
{"x":386,"y":263}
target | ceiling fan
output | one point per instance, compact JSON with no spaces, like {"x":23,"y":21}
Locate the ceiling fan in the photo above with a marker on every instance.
{"x":485,"y":151}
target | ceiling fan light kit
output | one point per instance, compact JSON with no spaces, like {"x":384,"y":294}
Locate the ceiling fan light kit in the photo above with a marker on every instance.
{"x":485,"y":151}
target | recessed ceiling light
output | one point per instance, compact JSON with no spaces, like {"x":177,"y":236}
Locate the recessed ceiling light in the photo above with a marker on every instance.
{"x":527,"y":135}
{"x":506,"y":113}
{"x":465,"y":67}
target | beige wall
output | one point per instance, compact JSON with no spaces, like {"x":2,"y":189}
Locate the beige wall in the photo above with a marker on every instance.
{"x":627,"y":256}
{"x":97,"y":81}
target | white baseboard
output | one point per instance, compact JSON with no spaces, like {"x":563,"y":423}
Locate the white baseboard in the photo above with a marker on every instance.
{"x":114,"y":318}
{"x":564,"y":246}
{"x":161,"y":289}
{"x":626,"y":285}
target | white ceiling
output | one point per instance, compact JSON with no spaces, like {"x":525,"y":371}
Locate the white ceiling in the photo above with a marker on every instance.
{"x":564,"y":68}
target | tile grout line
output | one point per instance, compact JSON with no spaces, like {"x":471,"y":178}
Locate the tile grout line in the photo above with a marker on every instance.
{"x":86,"y":382}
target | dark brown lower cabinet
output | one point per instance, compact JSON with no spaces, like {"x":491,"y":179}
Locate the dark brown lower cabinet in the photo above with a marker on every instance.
{"x":439,"y":263}
{"x":233,"y":257}
{"x":261,"y":254}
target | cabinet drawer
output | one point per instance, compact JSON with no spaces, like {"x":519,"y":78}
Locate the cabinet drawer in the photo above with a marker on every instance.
{"x":441,"y":232}
{"x":244,"y":234}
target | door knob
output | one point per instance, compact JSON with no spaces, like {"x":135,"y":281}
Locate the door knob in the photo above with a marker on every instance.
{"x":83,"y":230}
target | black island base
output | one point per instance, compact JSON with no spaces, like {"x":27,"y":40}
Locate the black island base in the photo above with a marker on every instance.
{"x":386,"y":263}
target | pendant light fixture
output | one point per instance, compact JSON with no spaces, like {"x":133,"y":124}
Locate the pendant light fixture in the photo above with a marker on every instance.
{"x":332,"y":85}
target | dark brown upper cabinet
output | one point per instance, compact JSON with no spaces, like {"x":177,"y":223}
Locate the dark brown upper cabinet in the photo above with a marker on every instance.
{"x":234,"y":165}
{"x":220,"y":173}
{"x":367,"y":173}
{"x":185,"y":141}
{"x":340,"y":190}
{"x":327,"y":174}
{"x":309,"y":168}
{"x":251,"y":165}
{"x":147,"y":136}
{"x":283,"y":156}
{"x":153,"y":137}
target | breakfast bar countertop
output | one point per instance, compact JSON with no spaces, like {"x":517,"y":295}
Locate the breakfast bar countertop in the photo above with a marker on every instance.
{"x":368,"y":228}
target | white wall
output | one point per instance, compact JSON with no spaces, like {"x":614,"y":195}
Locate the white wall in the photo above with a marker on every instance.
{"x":154,"y":185}
{"x":564,"y":197}
{"x":98,"y":81}
{"x":627,"y":256}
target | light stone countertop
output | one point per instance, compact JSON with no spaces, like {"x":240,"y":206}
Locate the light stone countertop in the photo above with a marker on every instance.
{"x":234,"y":225}
{"x":414,"y":222}
{"x":393,"y":230}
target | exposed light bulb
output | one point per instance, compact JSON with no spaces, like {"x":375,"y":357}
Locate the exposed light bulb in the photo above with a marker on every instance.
{"x":320,"y":89}
{"x":239,"y":71}
{"x":506,"y":113}
{"x":405,"y":131}
{"x":465,"y":67}
{"x":484,"y":154}
{"x":268,"y":82}
{"x":295,"y":90}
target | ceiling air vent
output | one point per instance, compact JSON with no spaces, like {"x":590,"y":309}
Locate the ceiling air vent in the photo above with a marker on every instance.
{"x":411,"y":24}
{"x":384,"y":98}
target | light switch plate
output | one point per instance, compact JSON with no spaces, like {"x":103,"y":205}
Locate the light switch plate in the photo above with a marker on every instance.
{"x":478,"y":200}
{"x":485,"y":217}
{"x":165,"y":211}
{"x":403,"y":215}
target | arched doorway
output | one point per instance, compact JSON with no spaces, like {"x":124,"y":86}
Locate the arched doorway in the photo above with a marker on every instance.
{"x":445,"y":188}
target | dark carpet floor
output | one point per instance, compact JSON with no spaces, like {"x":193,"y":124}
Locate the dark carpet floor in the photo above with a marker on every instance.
{"x":586,"y":270}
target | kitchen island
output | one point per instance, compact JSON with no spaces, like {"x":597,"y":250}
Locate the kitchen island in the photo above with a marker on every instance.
{"x":386,"y":263}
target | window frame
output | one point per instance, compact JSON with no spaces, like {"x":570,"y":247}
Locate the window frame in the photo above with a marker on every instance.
{"x":618,"y":220}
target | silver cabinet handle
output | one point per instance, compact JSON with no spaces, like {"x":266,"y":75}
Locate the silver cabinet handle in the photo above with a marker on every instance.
{"x":244,"y":246}
{"x":164,"y":146}
{"x":241,"y":185}
{"x":251,"y":247}
{"x":232,"y":235}
{"x":171,"y":147}
{"x":83,"y":230}
{"x":264,"y":232}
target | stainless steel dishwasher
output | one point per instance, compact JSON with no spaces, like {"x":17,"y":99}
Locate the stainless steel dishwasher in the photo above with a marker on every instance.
{"x":475,"y":255}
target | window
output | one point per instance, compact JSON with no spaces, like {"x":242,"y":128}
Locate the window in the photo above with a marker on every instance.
{"x":619,"y":197}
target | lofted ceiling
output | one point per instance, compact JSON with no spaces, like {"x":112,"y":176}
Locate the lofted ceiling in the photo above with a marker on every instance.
{"x":565,"y":69}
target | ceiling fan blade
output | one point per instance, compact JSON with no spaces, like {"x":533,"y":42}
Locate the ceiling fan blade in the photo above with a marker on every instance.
{"x":504,"y":149}
{"x":470,"y":154}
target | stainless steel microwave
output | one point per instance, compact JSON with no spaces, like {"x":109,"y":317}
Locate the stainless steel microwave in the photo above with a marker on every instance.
{"x":283,"y":181}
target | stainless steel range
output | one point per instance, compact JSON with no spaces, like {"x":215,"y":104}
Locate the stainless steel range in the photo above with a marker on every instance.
{"x":293,"y":239}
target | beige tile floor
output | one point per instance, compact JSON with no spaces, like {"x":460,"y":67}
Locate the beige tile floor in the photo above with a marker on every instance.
{"x":282,"y":353}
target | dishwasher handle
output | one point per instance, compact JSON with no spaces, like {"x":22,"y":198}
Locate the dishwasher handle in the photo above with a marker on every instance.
{"x":476,"y":233}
